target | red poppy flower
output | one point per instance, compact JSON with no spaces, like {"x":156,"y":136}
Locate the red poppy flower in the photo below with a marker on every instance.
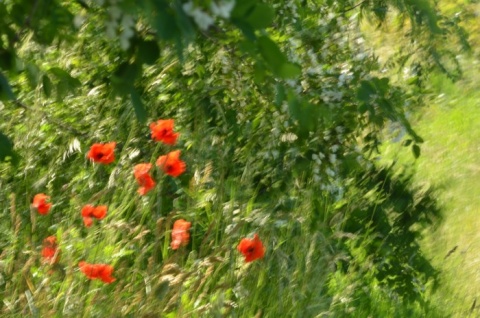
{"x":97,"y":271}
{"x":162,"y":130}
{"x":100,"y":212}
{"x":145,"y":181}
{"x":88,"y":221}
{"x":50,"y":251}
{"x":48,"y":254}
{"x":171,"y":163}
{"x":89,"y":212}
{"x":251,"y":249}
{"x":180,"y":233}
{"x":102,"y":153}
{"x":50,"y":241}
{"x":106,"y":272}
{"x":90,"y":270}
{"x":40,"y":203}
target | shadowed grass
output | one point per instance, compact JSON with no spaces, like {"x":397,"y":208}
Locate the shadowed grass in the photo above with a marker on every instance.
{"x":450,"y":162}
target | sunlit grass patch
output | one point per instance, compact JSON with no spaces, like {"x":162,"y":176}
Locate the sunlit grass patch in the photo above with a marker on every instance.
{"x":450,"y":162}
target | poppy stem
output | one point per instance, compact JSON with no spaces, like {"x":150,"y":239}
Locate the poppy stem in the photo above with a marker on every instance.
{"x":160,"y":197}
{"x":87,"y":301}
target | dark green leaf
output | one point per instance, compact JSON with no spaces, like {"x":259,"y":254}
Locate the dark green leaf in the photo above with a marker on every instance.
{"x":246,"y":29}
{"x":407,"y":142}
{"x":164,"y":21}
{"x":6,"y":92}
{"x":137,"y":103}
{"x":242,"y":8}
{"x":382,"y":85}
{"x":47,"y":85}
{"x":326,"y":114}
{"x":364,"y":107}
{"x":7,"y":59}
{"x":68,"y":82}
{"x":271,"y":54}
{"x":289,"y":70}
{"x":304,"y":112}
{"x":247,"y":46}
{"x":59,"y":73}
{"x":184,"y":23}
{"x":294,"y":106}
{"x":387,"y":107}
{"x":124,"y":77}
{"x":148,"y":52}
{"x":259,"y":73}
{"x":279,"y":95}
{"x":365,"y":90}
{"x":261,"y":16}
{"x":6,"y":150}
{"x":416,"y":151}
{"x":62,"y":90}
{"x":33,"y":74}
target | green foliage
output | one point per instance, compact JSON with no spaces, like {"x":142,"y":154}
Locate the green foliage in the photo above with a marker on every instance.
{"x":6,"y":150}
{"x":281,"y":110}
{"x":6,"y":90}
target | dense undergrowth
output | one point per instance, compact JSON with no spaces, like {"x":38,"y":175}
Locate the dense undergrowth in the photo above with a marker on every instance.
{"x":279,"y":128}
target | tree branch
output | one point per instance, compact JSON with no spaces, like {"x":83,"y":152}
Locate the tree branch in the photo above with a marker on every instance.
{"x":354,"y":7}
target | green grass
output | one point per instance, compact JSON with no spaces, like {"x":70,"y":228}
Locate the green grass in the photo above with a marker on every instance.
{"x":355,"y":257}
{"x":450,"y":162}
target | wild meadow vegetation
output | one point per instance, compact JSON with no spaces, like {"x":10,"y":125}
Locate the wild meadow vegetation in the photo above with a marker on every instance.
{"x":229,"y":159}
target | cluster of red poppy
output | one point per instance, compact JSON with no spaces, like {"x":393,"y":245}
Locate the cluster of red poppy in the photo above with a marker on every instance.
{"x":180,"y":233}
{"x":89,"y":212}
{"x":50,"y":251}
{"x":143,"y":178}
{"x":161,"y":131}
{"x":97,"y":271}
{"x":40,"y":202}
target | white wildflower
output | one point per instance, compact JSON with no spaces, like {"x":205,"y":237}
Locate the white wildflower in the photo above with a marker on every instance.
{"x":332,"y":158}
{"x":202,"y":19}
{"x":115,"y":12}
{"x":223,"y":8}
{"x":330,"y":172}
{"x":288,"y":137}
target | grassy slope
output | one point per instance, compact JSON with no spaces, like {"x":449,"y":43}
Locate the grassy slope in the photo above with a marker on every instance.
{"x":450,"y":162}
